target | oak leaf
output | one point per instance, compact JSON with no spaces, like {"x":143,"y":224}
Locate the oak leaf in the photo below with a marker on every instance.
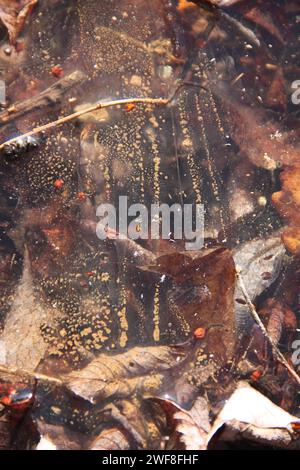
{"x":121,"y":375}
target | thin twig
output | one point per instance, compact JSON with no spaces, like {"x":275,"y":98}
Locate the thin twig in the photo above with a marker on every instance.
{"x":35,"y":375}
{"x":257,"y":319}
{"x":49,"y":97}
{"x":95,"y":107}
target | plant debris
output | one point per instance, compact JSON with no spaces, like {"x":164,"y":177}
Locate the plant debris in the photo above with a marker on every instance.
{"x":135,"y":340}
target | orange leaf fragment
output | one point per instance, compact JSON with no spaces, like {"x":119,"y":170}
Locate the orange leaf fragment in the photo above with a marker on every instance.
{"x":129,"y":107}
{"x":184,"y":5}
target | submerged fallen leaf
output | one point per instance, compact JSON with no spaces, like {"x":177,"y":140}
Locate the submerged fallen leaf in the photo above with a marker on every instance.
{"x":248,"y":406}
{"x":276,"y":95}
{"x":133,"y":155}
{"x":139,"y":369}
{"x":261,"y":17}
{"x":274,"y":145}
{"x":189,"y":428}
{"x":278,"y":317}
{"x":13,"y":15}
{"x":253,"y":259}
{"x":110,"y":439}
{"x":22,"y":342}
{"x":287,"y":202}
{"x":128,"y":415}
{"x":5,"y":431}
{"x":183,"y":4}
{"x":202,"y":288}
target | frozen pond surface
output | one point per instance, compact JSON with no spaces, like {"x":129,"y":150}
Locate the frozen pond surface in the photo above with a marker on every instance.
{"x":114,"y":322}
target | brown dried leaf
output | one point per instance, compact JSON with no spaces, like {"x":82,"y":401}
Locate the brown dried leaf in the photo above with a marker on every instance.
{"x":21,"y":343}
{"x":264,"y":19}
{"x":202,"y":292}
{"x":255,"y":259}
{"x":262,"y":417}
{"x":56,"y":437}
{"x":273,"y":146}
{"x":287,"y":202}
{"x":276,"y":96}
{"x":277,"y":317}
{"x":189,"y":427}
{"x":110,"y":439}
{"x":13,"y":14}
{"x":139,"y":369}
{"x":129,"y":416}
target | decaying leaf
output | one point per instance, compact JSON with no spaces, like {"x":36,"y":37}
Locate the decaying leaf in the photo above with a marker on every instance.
{"x":276,"y":95}
{"x":202,"y":291}
{"x":236,"y":432}
{"x":248,"y":406}
{"x":21,"y":342}
{"x":56,"y":437}
{"x":273,"y":145}
{"x":189,"y":428}
{"x":263,"y":18}
{"x":139,"y":369}
{"x":110,"y":439}
{"x":287,"y":203}
{"x":184,"y":4}
{"x":5,"y":430}
{"x":13,"y":14}
{"x":131,"y":419}
{"x":278,"y":317}
{"x":259,"y":262}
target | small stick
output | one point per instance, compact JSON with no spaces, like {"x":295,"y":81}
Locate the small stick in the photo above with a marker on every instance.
{"x":52,"y":96}
{"x":257,"y":319}
{"x":35,"y":375}
{"x":95,"y":107}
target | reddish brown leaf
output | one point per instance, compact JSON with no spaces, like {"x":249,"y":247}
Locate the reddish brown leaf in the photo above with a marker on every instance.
{"x":57,"y":437}
{"x":287,"y":202}
{"x":273,"y":146}
{"x":276,"y":94}
{"x":22,"y":344}
{"x":202,"y":291}
{"x":277,"y":317}
{"x":265,"y":20}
